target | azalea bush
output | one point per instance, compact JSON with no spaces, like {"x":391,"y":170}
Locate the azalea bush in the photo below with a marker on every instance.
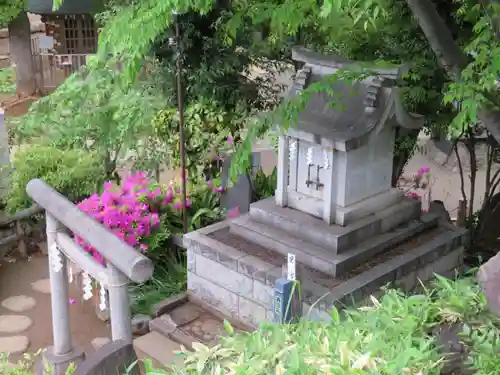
{"x":145,"y":215}
{"x":132,"y":211}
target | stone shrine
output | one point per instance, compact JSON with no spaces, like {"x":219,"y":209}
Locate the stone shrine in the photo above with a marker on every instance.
{"x":334,"y":208}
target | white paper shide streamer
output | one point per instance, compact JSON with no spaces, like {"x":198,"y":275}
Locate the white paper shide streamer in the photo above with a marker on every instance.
{"x":309,"y":156}
{"x":326,"y":160}
{"x":55,"y":258}
{"x":293,"y":150}
{"x":102,"y":298}
{"x":70,"y":273}
{"x":87,"y":286}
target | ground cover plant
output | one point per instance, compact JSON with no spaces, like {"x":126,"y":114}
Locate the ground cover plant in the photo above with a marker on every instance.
{"x":7,"y":81}
{"x":396,"y":334}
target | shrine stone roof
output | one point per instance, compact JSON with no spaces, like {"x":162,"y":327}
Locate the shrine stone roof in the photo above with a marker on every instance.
{"x":344,"y":116}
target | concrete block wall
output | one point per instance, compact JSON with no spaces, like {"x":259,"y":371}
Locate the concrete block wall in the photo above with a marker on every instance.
{"x":230,"y":291}
{"x":237,"y":284}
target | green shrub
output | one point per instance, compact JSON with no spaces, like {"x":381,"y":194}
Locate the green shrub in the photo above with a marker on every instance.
{"x":7,"y":81}
{"x":263,"y":185}
{"x":392,"y":336}
{"x":104,"y":115}
{"x":207,"y":127}
{"x":73,"y":173}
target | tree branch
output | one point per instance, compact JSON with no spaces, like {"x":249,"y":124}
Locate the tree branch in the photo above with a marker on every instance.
{"x":439,"y":36}
{"x":449,"y":53}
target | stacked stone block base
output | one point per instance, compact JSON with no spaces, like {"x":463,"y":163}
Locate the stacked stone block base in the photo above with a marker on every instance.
{"x":233,"y":265}
{"x":238,"y":285}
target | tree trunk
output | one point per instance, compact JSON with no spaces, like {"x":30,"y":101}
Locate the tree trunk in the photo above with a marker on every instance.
{"x":449,"y":53}
{"x":21,"y":54}
{"x":401,"y":158}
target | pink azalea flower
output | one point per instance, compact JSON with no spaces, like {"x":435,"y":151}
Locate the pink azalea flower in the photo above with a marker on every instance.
{"x":233,"y":212}
{"x":413,"y":195}
{"x":129,"y":212}
{"x":423,"y":171}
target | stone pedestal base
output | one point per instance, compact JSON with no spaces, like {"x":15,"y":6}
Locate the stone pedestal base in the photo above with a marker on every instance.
{"x":339,"y":215}
{"x":233,"y":265}
{"x":357,"y":211}
{"x":53,"y":364}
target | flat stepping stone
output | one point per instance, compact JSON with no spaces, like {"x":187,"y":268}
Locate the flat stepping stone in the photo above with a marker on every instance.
{"x":14,"y":323}
{"x":14,"y":345}
{"x":41,"y":286}
{"x":19,"y":303}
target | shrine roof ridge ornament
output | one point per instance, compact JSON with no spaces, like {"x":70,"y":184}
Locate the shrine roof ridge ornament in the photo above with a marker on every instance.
{"x":366,"y":105}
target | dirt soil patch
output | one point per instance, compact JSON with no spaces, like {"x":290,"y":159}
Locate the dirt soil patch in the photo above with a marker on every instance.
{"x":28,"y":278}
{"x":14,"y":106}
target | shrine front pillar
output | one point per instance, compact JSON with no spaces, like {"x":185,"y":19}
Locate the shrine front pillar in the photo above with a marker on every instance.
{"x":281,"y":195}
{"x":330,"y":190}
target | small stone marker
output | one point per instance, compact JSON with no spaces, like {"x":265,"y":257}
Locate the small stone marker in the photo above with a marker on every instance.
{"x":287,"y":304}
{"x":240,"y":194}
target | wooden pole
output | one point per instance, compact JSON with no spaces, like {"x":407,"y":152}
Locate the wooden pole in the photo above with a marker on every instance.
{"x":180,"y":104}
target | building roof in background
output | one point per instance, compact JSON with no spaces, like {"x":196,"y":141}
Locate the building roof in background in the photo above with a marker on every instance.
{"x":68,"y":7}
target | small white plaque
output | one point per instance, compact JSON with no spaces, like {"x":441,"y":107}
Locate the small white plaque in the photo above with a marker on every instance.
{"x":291,"y":267}
{"x":46,"y":42}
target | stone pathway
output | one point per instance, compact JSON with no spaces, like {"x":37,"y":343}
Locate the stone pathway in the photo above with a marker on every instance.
{"x":25,"y":311}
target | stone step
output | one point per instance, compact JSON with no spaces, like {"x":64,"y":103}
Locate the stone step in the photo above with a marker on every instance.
{"x":320,"y":258}
{"x":440,"y":254}
{"x":160,"y":349}
{"x":335,"y":238}
{"x":165,"y":326}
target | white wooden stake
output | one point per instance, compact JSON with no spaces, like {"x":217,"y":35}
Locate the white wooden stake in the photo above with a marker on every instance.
{"x":291,"y":275}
